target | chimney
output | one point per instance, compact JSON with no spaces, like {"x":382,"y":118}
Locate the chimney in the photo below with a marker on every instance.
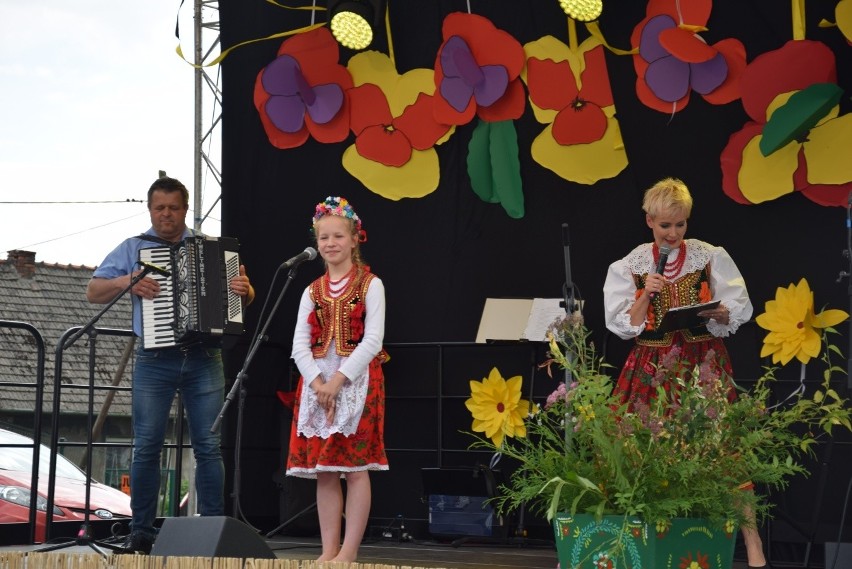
{"x":24,"y":262}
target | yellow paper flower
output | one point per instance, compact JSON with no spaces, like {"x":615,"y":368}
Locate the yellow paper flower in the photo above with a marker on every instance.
{"x":792,"y":324}
{"x":497,"y":407}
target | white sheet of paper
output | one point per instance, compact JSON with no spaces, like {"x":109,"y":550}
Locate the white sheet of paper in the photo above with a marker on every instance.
{"x":543,"y":313}
{"x":518,"y":318}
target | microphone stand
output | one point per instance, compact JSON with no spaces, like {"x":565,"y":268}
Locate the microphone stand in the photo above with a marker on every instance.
{"x":84,"y":536}
{"x":238,"y":386}
{"x":848,"y":275}
{"x":568,"y":289}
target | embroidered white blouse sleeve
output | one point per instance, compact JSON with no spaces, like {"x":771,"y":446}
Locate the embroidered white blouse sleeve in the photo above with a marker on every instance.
{"x":728,"y":286}
{"x":619,"y":295}
{"x":302,"y":354}
{"x":374,"y":332}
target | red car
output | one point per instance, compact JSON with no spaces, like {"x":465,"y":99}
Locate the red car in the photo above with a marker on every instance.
{"x":69,"y":495}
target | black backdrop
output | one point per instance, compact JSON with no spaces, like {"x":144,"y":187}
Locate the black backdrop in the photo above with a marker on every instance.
{"x":441,"y":256}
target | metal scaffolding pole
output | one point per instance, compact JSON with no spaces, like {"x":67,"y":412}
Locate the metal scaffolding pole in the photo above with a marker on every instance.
{"x":207,"y":148}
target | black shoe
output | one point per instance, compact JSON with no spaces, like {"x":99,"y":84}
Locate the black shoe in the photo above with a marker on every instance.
{"x":137,"y":543}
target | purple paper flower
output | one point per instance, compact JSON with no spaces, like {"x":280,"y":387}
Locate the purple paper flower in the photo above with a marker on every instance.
{"x":669,"y":77}
{"x":465,"y":78}
{"x":290,"y":96}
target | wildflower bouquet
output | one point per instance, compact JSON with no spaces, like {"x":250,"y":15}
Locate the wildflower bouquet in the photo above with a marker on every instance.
{"x":693,"y":451}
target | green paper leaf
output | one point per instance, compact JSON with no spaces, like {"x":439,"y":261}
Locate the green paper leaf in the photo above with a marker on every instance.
{"x":506,"y":168}
{"x":479,"y":163}
{"x":801,"y":112}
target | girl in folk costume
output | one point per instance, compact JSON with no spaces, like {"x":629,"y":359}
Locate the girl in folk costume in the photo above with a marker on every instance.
{"x":637,"y":296}
{"x":338,"y":420}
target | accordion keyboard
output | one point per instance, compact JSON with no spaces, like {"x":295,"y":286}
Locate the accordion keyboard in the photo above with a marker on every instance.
{"x":158,"y":314}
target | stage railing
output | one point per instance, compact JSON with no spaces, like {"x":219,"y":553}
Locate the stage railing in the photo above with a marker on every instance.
{"x":38,"y":387}
{"x":179,"y":445}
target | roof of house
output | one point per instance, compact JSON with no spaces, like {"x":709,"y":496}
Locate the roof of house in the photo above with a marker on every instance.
{"x":51,"y":298}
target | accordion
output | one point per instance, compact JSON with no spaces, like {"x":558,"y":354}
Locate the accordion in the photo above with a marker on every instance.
{"x":195,"y":301}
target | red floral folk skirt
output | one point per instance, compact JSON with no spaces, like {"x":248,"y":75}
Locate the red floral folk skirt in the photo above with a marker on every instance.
{"x":364,"y":450}
{"x":640,"y":376}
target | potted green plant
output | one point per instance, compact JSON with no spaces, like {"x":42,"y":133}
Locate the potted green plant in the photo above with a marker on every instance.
{"x":616,"y":480}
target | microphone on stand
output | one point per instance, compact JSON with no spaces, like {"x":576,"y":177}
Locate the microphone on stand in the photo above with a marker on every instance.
{"x":309,"y":254}
{"x":661,"y":264}
{"x":156,"y":268}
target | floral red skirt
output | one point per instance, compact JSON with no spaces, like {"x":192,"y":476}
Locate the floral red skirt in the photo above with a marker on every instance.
{"x":642,"y":371}
{"x":364,"y":450}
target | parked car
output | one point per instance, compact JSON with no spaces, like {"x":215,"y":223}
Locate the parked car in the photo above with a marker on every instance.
{"x":16,"y":467}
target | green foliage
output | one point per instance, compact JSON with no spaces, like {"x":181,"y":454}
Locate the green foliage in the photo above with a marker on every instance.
{"x":686,"y":454}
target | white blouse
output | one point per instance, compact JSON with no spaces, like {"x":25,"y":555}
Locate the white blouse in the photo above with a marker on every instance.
{"x":726,"y":284}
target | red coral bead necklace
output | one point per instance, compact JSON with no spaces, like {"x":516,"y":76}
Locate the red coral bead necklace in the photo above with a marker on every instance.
{"x":672,"y":268}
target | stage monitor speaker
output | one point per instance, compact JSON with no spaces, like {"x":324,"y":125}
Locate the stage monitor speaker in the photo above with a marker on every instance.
{"x":209,"y":536}
{"x":838,"y":555}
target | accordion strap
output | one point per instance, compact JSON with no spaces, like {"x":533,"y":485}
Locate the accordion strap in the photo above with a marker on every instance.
{"x":155,"y":239}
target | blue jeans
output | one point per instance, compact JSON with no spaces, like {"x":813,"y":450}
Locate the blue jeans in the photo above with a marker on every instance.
{"x":197,"y":373}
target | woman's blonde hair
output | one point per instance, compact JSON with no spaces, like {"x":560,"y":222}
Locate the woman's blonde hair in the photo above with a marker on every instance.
{"x":666,"y":195}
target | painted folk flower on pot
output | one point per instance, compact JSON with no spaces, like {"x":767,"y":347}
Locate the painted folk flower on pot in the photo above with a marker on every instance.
{"x":497,"y":407}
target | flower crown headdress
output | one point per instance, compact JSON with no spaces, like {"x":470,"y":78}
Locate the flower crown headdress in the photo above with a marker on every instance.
{"x":336,"y":205}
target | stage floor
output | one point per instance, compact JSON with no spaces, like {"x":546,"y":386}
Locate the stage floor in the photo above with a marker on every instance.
{"x":425,"y":554}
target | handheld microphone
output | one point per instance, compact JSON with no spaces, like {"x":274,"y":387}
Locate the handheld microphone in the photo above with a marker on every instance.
{"x":664,"y":257}
{"x":661,"y":263}
{"x":309,"y":254}
{"x":156,"y":268}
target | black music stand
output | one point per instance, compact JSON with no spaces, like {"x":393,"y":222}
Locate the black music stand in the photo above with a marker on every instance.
{"x":84,"y":536}
{"x":257,"y":340}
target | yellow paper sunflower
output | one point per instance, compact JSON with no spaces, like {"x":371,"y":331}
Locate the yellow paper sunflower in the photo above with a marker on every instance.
{"x":793,"y":325}
{"x":497,"y":407}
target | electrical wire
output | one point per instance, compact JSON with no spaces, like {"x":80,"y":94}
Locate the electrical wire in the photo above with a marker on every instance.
{"x":24,"y":247}
{"x":128,"y":200}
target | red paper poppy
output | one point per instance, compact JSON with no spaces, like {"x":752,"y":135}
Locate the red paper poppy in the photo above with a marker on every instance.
{"x":389,"y":140}
{"x":552,"y":86}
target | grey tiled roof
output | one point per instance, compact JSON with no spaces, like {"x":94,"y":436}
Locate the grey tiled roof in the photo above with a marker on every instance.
{"x":52,"y":298}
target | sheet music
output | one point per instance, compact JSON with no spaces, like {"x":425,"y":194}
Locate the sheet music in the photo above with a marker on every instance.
{"x":518,"y":318}
{"x":543,"y":313}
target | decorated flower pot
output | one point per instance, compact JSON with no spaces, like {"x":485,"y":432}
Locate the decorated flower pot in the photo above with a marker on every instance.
{"x":583,"y":542}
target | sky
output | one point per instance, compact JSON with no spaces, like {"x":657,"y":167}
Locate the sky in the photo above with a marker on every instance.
{"x":94,"y":102}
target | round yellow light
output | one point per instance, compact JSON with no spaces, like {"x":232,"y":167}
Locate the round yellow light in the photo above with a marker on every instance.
{"x":582,"y":10}
{"x":351,"y":30}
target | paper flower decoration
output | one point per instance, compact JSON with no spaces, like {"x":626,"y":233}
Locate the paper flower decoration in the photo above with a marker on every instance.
{"x":793,"y":325}
{"x":796,"y":139}
{"x":395,"y":130}
{"x":674,"y":60}
{"x":477,"y":71}
{"x":570,"y":93}
{"x":302,"y":92}
{"x":497,"y":407}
